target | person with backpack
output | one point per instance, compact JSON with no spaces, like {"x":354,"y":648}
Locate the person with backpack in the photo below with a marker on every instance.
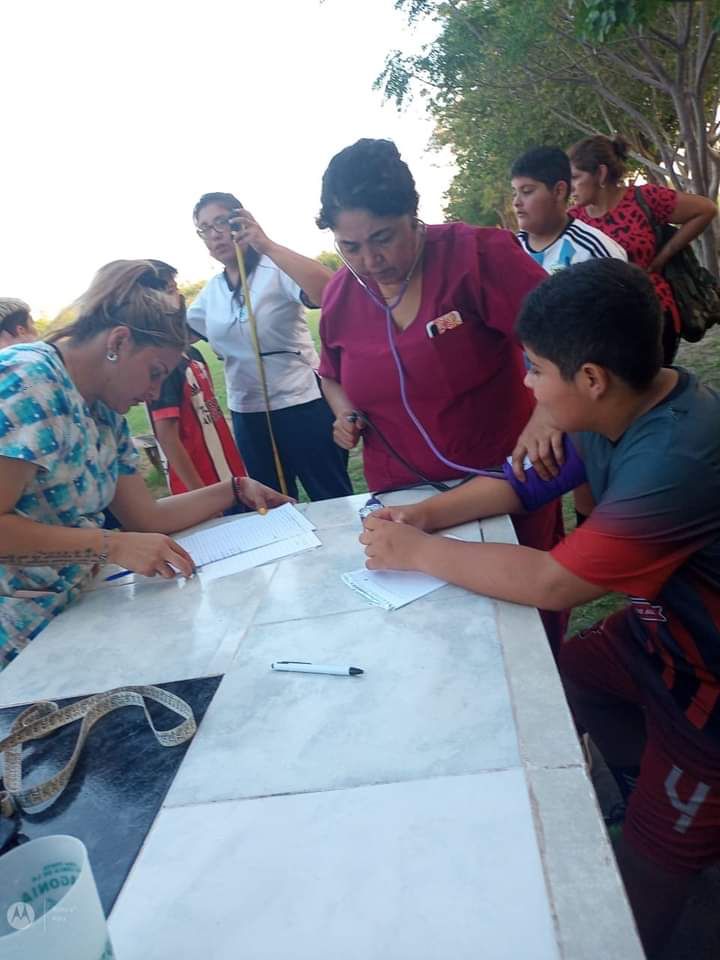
{"x":630,"y":215}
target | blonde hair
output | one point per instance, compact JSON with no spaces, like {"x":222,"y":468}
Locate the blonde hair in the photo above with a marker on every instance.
{"x":128,"y":293}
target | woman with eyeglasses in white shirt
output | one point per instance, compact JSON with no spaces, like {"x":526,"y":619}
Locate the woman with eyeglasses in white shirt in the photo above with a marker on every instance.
{"x":281,"y":284}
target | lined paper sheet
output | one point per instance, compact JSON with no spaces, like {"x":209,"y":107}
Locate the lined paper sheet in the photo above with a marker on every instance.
{"x":256,"y":558}
{"x":281,"y":532}
{"x":245,"y":533}
{"x":391,"y":589}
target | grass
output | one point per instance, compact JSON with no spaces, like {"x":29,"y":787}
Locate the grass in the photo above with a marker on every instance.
{"x":702,"y":358}
{"x":589,"y":613}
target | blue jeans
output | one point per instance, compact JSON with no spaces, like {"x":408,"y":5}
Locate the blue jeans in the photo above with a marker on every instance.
{"x":308,"y":453}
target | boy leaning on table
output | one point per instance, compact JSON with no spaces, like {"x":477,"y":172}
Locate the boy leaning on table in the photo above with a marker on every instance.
{"x":646,"y":681}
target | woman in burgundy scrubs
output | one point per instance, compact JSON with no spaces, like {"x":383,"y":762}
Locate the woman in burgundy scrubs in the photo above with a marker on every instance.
{"x":418,"y":350}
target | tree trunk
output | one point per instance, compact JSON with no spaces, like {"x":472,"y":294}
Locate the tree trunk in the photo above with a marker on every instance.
{"x":709,"y":247}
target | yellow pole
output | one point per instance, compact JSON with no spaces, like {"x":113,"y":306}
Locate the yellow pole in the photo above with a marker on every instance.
{"x":260,"y":366}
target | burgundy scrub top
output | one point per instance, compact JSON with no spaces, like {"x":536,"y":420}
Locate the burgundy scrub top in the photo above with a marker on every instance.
{"x":465,"y":384}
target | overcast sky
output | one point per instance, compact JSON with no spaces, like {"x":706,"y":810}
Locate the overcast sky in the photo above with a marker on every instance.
{"x":116,"y":117}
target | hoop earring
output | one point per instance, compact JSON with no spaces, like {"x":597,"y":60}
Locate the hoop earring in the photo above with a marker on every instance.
{"x":111,"y":356}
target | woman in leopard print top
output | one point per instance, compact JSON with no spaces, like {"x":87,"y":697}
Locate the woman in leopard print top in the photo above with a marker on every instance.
{"x":605,"y":202}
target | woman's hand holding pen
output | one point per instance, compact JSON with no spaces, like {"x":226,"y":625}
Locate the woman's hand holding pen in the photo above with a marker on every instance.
{"x":149,"y":554}
{"x":347,"y":429}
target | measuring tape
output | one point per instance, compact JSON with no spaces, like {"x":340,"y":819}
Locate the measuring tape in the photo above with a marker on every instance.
{"x":260,"y":366}
{"x":45,"y":717}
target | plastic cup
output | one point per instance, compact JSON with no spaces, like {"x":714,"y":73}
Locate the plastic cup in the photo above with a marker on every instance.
{"x":49,"y":904}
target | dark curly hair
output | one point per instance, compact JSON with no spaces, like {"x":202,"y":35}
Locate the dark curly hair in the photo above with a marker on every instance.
{"x":369,"y":175}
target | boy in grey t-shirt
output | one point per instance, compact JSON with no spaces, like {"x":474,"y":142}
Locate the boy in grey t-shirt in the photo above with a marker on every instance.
{"x":646,"y":681}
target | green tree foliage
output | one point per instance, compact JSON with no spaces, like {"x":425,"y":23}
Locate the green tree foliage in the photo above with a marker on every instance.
{"x":42,"y":324}
{"x":329,"y":258}
{"x":605,"y":19}
{"x":63,"y":319}
{"x":190,"y":289}
{"x":504,"y":75}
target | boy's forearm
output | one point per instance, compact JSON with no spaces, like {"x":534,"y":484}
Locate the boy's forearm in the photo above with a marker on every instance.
{"x":478,"y":498}
{"x":505,"y":572}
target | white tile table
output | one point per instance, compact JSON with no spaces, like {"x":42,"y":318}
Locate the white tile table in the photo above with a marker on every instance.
{"x":436,"y":807}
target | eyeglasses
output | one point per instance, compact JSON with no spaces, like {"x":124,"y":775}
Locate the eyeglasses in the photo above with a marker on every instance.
{"x":219,"y":225}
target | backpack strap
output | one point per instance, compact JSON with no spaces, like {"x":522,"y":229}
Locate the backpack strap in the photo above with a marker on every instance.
{"x":654,"y":225}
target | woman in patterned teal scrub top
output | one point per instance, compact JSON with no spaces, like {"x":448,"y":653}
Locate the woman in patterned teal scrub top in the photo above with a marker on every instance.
{"x":66,"y":453}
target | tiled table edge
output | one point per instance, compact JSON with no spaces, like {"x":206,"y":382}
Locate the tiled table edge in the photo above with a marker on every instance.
{"x":591,"y":913}
{"x":546,"y":735}
{"x":592,"y":916}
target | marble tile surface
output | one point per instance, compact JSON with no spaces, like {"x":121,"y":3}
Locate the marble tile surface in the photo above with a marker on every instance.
{"x":156,"y":630}
{"x":544,"y":725}
{"x":428,"y":870}
{"x":498,"y":530}
{"x":593,"y":917}
{"x":142,"y":633}
{"x":385,"y":817}
{"x":334,"y":513}
{"x":433,"y":701}
{"x":310,"y":584}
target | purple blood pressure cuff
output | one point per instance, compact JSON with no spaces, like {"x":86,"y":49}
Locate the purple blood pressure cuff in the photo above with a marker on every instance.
{"x":535,"y":492}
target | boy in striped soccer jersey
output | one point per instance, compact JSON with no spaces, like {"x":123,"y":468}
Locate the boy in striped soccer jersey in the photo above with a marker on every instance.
{"x":646,"y":681}
{"x":540,"y":190}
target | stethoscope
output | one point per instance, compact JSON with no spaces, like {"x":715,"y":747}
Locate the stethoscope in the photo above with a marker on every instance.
{"x":388,"y":307}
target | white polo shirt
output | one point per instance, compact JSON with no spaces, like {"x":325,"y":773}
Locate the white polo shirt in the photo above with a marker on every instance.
{"x":288,"y":352}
